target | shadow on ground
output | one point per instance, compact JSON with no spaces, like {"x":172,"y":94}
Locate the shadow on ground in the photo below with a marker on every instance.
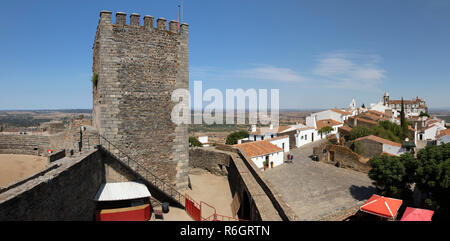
{"x":362,"y":192}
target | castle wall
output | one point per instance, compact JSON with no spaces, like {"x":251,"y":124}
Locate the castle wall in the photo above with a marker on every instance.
{"x":138,"y":67}
{"x":63,"y":191}
{"x":215,"y":161}
{"x":29,"y":144}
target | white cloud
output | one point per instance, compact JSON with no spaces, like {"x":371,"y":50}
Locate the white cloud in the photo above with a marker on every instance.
{"x":340,"y":69}
{"x":350,"y":70}
{"x":272,"y":73}
{"x":263,"y":72}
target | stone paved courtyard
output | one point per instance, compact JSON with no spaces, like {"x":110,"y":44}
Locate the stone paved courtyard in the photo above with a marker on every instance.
{"x":315,"y":190}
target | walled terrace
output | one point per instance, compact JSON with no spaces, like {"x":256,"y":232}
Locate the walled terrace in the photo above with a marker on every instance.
{"x":65,"y":189}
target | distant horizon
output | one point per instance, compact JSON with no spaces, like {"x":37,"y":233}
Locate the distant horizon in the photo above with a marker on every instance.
{"x":192,"y":110}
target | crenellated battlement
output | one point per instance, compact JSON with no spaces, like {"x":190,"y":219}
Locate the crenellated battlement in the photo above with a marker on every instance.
{"x":135,"y":21}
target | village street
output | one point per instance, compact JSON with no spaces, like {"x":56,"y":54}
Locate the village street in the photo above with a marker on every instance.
{"x":314,"y":189}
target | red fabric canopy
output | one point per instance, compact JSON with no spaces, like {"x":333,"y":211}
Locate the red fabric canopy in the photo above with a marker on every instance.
{"x":381,"y":206}
{"x":417,"y":214}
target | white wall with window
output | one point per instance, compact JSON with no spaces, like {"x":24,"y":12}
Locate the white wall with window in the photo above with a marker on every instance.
{"x":276,"y":158}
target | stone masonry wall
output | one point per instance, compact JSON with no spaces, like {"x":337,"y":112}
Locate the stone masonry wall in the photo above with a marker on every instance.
{"x":348,"y":159}
{"x":138,"y":67}
{"x":341,"y":156}
{"x":29,"y":144}
{"x":369,"y":148}
{"x":64,"y":191}
{"x":210,"y":159}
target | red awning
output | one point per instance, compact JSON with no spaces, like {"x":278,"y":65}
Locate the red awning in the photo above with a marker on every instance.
{"x":382,"y":206}
{"x":417,"y":214}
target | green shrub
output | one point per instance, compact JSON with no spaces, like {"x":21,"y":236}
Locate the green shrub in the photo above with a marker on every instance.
{"x":360,"y":131}
{"x":194,"y":141}
{"x":235,"y":136}
{"x":325,"y":129}
{"x":94,"y":79}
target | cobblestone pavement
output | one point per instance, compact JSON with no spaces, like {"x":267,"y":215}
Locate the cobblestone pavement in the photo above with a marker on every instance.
{"x":315,"y":190}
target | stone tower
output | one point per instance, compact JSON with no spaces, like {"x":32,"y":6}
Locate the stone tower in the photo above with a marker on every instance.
{"x":386,"y":99}
{"x":138,"y":67}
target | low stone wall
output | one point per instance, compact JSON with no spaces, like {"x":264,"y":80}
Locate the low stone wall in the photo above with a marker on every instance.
{"x":284,"y":211}
{"x":210,"y":159}
{"x":56,"y":156}
{"x":28,"y":144}
{"x":348,"y":159}
{"x":63,"y":193}
{"x":224,"y":147}
{"x":341,"y":156}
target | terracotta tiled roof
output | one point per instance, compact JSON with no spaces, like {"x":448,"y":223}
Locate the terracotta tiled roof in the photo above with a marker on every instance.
{"x":258,"y":148}
{"x":379,"y":140}
{"x":432,"y":122}
{"x":343,"y":112}
{"x":345,"y":128}
{"x":375,"y":112}
{"x":406,"y":102}
{"x":278,"y":137}
{"x":367,"y":121}
{"x":370,"y":116}
{"x":388,"y":114}
{"x":429,"y":127}
{"x":442,"y":133}
{"x":305,"y":128}
{"x":263,"y":130}
{"x":283,"y":128}
{"x":326,"y":122}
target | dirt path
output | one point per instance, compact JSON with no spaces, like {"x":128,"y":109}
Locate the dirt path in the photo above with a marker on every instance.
{"x":16,"y":167}
{"x":209,"y":188}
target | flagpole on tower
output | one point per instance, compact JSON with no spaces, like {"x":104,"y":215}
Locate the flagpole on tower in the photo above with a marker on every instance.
{"x":180,"y":16}
{"x":179,"y":6}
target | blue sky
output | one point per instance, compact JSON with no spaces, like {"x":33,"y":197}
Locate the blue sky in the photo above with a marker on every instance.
{"x":319,"y":54}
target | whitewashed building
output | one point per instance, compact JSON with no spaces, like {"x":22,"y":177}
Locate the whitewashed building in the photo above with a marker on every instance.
{"x":271,"y":150}
{"x":304,"y":136}
{"x":265,"y":133}
{"x":430,"y":132}
{"x":334,"y":114}
{"x":203,"y":140}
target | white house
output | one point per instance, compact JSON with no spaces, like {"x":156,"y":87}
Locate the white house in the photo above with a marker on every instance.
{"x":281,"y":141}
{"x":271,"y":150}
{"x":443,"y":140}
{"x":304,"y":135}
{"x":203,"y":140}
{"x":435,"y":122}
{"x":334,"y":114}
{"x":264,"y":133}
{"x":443,"y":137}
{"x":430,"y":132}
{"x":311,"y":121}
